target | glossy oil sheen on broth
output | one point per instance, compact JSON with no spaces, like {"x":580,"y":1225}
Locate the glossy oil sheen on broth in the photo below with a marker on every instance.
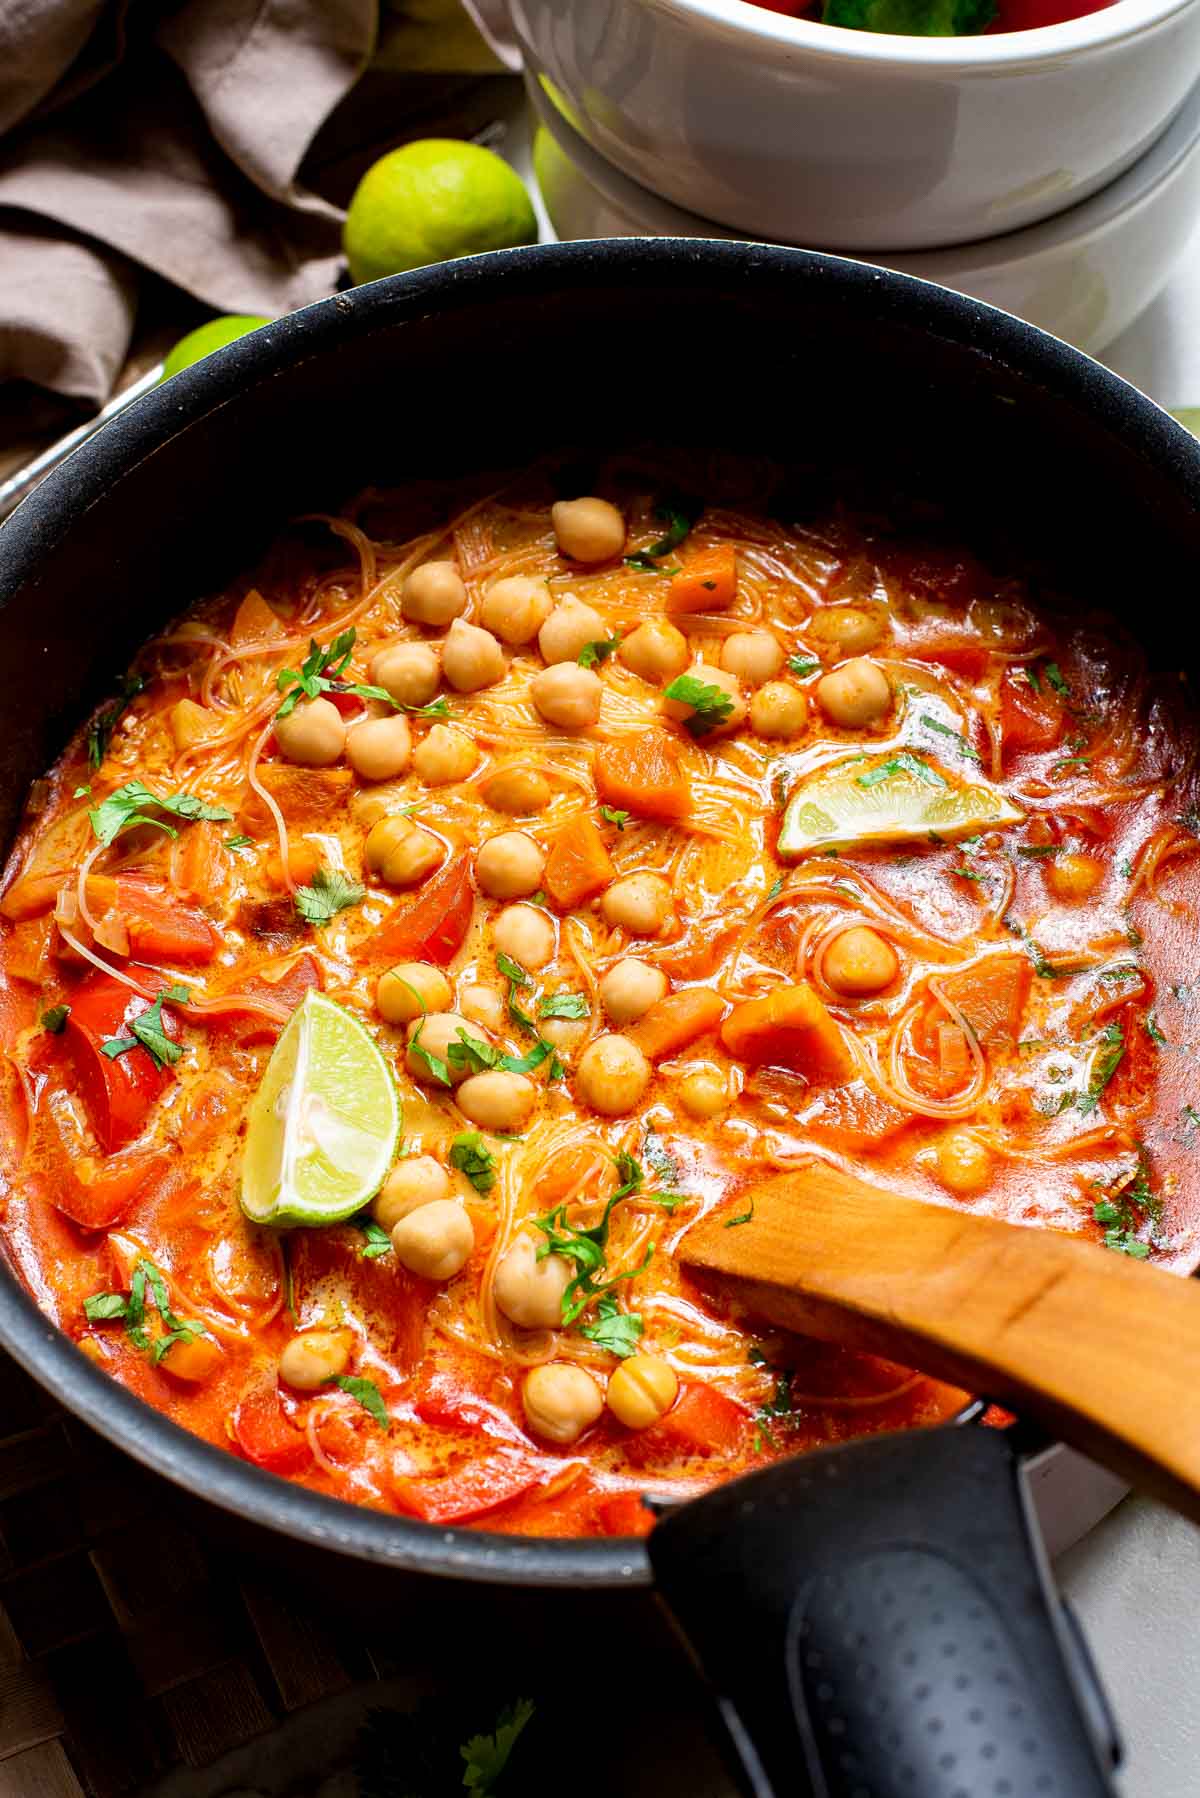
{"x":656,"y":846}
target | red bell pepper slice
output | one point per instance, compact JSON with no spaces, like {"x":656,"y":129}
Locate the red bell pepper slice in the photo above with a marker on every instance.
{"x":98,"y":1204}
{"x":265,"y":1435}
{"x":443,"y":1400}
{"x":433,"y":927}
{"x":117,"y":1090}
{"x":161,"y":927}
{"x":477,"y":1486}
{"x":702,"y":1422}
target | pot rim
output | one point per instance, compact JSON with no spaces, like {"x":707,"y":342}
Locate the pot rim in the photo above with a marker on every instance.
{"x":45,"y":517}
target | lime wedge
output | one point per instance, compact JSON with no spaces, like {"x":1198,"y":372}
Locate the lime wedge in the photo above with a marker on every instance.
{"x":323,"y":1124}
{"x":886,"y":800}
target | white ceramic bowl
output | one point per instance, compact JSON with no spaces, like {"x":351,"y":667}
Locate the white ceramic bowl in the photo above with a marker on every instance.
{"x":1084,"y":275}
{"x":808,"y":133}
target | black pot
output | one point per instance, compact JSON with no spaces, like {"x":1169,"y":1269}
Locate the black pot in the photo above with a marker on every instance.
{"x":847,"y":373}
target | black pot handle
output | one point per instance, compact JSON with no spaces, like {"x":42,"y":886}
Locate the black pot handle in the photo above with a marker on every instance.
{"x":878,"y":1621}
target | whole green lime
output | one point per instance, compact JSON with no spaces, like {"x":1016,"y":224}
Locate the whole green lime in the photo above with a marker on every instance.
{"x":431,"y":201}
{"x":206,"y":338}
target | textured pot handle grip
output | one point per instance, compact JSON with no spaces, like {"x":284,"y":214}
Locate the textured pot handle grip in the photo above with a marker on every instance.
{"x":878,"y":1622}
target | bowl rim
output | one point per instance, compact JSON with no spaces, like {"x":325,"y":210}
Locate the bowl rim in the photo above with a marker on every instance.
{"x":944,"y":264}
{"x":742,"y":23}
{"x":207,"y":388}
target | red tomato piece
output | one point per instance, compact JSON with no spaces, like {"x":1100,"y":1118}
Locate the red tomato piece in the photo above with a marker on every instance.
{"x":1029,"y":718}
{"x":431,"y":928}
{"x":702,"y":1422}
{"x":266,"y":1436}
{"x":100,"y":1203}
{"x":477,"y":1486}
{"x":443,"y":1399}
{"x":119,"y":1090}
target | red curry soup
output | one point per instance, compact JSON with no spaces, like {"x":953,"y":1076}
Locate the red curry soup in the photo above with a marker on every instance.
{"x":433,"y":929}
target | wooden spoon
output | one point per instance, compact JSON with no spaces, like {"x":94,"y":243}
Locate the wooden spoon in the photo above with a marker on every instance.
{"x":1102,"y":1350}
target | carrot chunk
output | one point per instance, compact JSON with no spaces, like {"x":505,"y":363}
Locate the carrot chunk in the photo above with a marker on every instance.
{"x":707,"y":582}
{"x":643,"y":774}
{"x":677,"y":1020}
{"x":789,"y":1028}
{"x":579,"y":866}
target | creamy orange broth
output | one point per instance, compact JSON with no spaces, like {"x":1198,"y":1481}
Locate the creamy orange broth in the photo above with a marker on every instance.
{"x":1029,"y":1058}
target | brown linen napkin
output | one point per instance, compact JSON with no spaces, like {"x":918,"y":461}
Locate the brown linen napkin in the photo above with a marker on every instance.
{"x":169,"y":138}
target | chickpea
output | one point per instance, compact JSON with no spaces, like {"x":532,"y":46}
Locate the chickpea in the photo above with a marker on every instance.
{"x":313,"y":1358}
{"x":567,"y":695}
{"x":640,"y":903}
{"x":436,"y":1033}
{"x":963,"y":1164}
{"x":612,"y":1076}
{"x":510,"y":866}
{"x":498,"y":1100}
{"x":1073,"y":876}
{"x":778,"y":710}
{"x":402,"y":853}
{"x":561,"y":1401}
{"x":704,"y":1092}
{"x":369,"y":805}
{"x":588,"y":530}
{"x":408,"y":671}
{"x":529,"y":1291}
{"x":313,"y":735}
{"x":410,"y":990}
{"x":642,"y":1390}
{"x":846,"y":630}
{"x":752,"y":657}
{"x":516,"y":607}
{"x":446,"y":754}
{"x":516,"y":790}
{"x":527,"y":934}
{"x":435,"y":1240}
{"x":483,"y":1005}
{"x":860,"y":961}
{"x":630,"y":988}
{"x":419,"y":1180}
{"x":710,"y":677}
{"x":569,"y":629}
{"x":471,"y":658}
{"x":433,"y":594}
{"x":656,"y":650}
{"x":379,"y":748}
{"x":855,"y":694}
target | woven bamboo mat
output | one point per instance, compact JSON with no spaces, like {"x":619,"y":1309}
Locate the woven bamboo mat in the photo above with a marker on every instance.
{"x":126,"y":1648}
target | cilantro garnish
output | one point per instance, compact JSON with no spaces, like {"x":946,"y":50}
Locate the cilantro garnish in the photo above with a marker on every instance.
{"x":111,"y":1307}
{"x":377,"y":1243}
{"x":776,"y":889}
{"x":1135,"y":1207}
{"x":434,"y":1064}
{"x":1104,"y":1066}
{"x":331,"y":892}
{"x":1153,"y":1031}
{"x":678,"y":522}
{"x":366,"y":1393}
{"x":563,"y":1005}
{"x":743,"y":1217}
{"x":904,"y":763}
{"x":148,"y":1030}
{"x":102,"y":727}
{"x":1055,"y":677}
{"x":472,"y":1157}
{"x":960,"y":742}
{"x":134,"y":804}
{"x":711,"y":705}
{"x":587,"y":1249}
{"x":239,"y":842}
{"x":593,"y":653}
{"x":487,"y":1756}
{"x":1035,"y":851}
{"x":803,"y":665}
{"x":322,"y":670}
{"x":55,"y":1019}
{"x":613,"y":1329}
{"x":611,"y":815}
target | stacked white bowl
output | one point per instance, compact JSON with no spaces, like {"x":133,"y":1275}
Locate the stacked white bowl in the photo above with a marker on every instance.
{"x":1054,"y":172}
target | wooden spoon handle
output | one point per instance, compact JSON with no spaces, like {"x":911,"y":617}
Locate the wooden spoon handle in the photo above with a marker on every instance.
{"x":1102,"y":1350}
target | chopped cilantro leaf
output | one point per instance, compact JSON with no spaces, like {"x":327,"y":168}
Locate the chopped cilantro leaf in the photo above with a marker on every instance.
{"x":102,"y":726}
{"x":331,"y":892}
{"x":802,"y":665}
{"x":613,"y":1329}
{"x":592,"y":653}
{"x":904,"y":763}
{"x":377,"y":1243}
{"x":1104,"y":1065}
{"x":1153,"y":1031}
{"x":1055,"y":678}
{"x":434,"y":1065}
{"x":472,"y":1157}
{"x":238,"y":842}
{"x":366,"y":1393}
{"x":135,"y":804}
{"x":611,"y":815}
{"x":55,"y":1019}
{"x":960,"y":742}
{"x":711,"y":705}
{"x":487,"y":1756}
{"x":563,"y":1005}
{"x":743,"y":1217}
